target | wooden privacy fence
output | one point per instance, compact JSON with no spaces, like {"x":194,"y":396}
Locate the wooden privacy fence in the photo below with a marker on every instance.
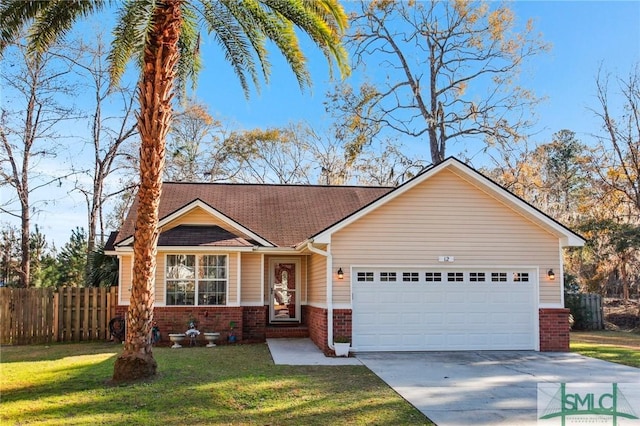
{"x":586,"y":309}
{"x":68,"y":314}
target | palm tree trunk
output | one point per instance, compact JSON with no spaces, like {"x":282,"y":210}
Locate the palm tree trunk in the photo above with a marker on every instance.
{"x":155,"y":94}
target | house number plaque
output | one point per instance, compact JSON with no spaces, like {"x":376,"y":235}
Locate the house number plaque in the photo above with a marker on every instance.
{"x":446,"y":259}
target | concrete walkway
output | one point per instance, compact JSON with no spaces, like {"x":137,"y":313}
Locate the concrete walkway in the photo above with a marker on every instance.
{"x":303,"y":352}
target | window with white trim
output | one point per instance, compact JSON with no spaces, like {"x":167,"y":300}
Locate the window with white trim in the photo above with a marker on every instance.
{"x":520,"y":277}
{"x":455,"y":276}
{"x":388,"y":276}
{"x":410,"y":276}
{"x":188,"y":275}
{"x":364,"y":276}
{"x":477,"y":277}
{"x":499,"y":277}
{"x":433,"y":276}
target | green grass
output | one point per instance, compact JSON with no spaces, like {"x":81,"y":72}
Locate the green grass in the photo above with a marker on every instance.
{"x":615,"y":346}
{"x":69,"y":385}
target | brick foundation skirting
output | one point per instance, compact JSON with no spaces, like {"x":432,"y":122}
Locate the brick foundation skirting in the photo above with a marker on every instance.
{"x":254,"y":322}
{"x":175,"y":319}
{"x":554,"y":329}
{"x":318,"y":324}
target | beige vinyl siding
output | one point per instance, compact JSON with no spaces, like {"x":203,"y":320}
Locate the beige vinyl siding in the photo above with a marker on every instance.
{"x":125,"y":278}
{"x":160,"y":296}
{"x":317,"y":289}
{"x":303,"y":280}
{"x":232,"y":283}
{"x":251,"y":278}
{"x":197,"y":216}
{"x":447,"y":216}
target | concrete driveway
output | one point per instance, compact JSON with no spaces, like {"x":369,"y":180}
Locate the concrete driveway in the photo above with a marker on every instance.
{"x":486,"y":387}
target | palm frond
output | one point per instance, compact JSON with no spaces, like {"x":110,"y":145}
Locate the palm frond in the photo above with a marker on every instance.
{"x":135,"y":21}
{"x":189,"y":64}
{"x":14,"y":16}
{"x":323,"y":20}
{"x":279,"y":29}
{"x":237,"y":43}
{"x":56,"y":19}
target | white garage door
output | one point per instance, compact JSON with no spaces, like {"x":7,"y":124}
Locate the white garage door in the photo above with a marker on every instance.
{"x":401,"y":309}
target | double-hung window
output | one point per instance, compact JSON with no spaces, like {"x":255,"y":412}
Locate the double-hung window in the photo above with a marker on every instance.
{"x":189,"y":275}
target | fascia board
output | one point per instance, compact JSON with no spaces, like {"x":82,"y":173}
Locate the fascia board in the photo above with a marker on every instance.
{"x":205,"y":249}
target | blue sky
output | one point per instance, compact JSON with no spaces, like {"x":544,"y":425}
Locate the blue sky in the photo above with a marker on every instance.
{"x":584,"y":36}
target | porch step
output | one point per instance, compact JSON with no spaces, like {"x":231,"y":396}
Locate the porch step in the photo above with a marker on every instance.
{"x":286,"y":331}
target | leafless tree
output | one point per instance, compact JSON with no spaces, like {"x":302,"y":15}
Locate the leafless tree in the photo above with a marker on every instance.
{"x":445,"y":71}
{"x":108,"y":130}
{"x":193,"y":142}
{"x":33,"y":110}
{"x":274,"y":155}
{"x":618,"y":164}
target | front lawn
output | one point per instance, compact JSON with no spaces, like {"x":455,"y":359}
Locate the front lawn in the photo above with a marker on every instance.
{"x":68,"y":384}
{"x":621,"y":347}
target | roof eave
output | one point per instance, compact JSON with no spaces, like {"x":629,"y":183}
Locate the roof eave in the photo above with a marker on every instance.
{"x":572,"y":241}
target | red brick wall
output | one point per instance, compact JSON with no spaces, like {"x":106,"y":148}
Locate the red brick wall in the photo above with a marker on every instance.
{"x":342,"y":322}
{"x":254,"y":321}
{"x":554,"y":330}
{"x":175,"y":319}
{"x":316,"y":321}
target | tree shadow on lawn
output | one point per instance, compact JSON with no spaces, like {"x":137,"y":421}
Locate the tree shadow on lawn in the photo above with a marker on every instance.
{"x":238,"y":384}
{"x":53,"y":375}
{"x":55,"y":351}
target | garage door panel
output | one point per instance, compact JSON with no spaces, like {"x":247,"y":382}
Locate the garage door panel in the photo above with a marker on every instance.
{"x":444,"y":315}
{"x":435,"y":297}
{"x":411,"y":318}
{"x":433,"y":319}
{"x":500,"y":339}
{"x":386,"y":317}
{"x":455,"y":318}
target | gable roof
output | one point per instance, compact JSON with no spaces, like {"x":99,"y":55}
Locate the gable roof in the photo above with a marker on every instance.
{"x":202,"y":235}
{"x":567,"y":237}
{"x":281,"y":215}
{"x":290,"y":215}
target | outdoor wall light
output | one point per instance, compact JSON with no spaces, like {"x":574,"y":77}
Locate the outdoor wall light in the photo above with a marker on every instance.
{"x":340,"y":274}
{"x":551,"y":275}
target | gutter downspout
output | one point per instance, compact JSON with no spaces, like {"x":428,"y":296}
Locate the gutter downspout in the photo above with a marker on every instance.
{"x":327,"y":254}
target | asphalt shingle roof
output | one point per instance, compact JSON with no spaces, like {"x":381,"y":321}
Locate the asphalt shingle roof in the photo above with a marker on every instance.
{"x":198,"y":235}
{"x":285,"y":215}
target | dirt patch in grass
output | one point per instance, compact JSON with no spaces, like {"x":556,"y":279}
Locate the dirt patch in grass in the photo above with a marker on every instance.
{"x":620,"y":315}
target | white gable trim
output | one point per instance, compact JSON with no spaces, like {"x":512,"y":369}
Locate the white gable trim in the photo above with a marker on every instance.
{"x":213,"y":212}
{"x":566,"y":236}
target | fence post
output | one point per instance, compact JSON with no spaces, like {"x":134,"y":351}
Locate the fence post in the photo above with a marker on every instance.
{"x":5,"y":315}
